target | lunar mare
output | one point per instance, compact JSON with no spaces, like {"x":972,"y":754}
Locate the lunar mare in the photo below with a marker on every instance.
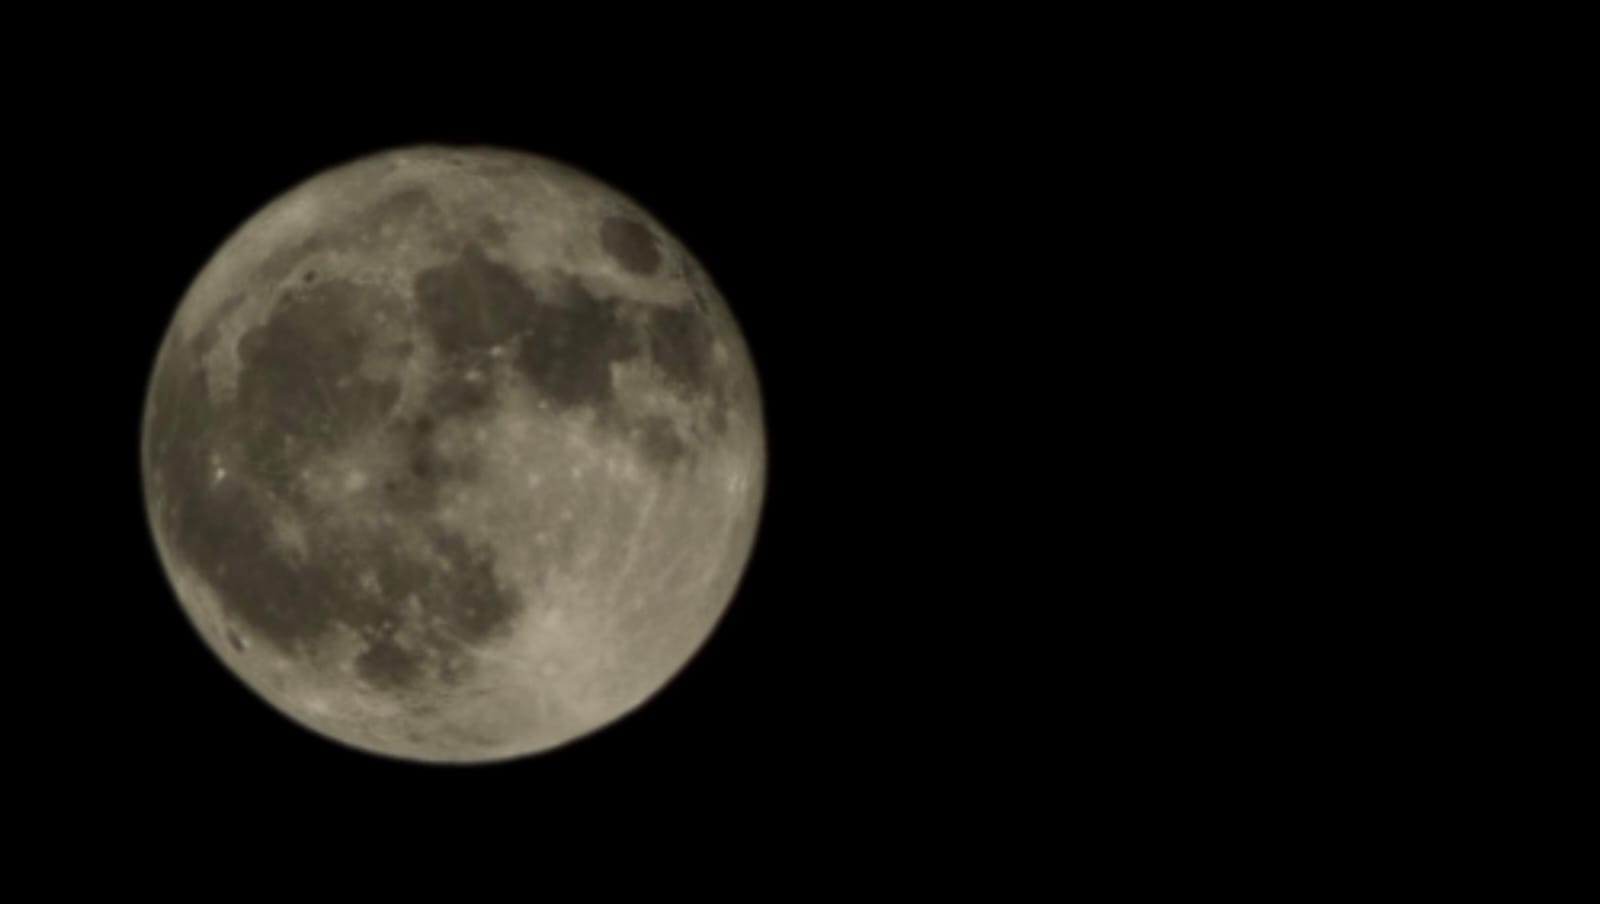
{"x":453,"y":454}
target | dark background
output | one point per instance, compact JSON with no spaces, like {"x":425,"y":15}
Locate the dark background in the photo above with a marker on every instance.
{"x":1027,"y":319}
{"x":1091,"y":356}
{"x":834,"y":219}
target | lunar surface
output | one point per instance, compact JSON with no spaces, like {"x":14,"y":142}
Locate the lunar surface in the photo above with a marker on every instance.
{"x":453,"y":454}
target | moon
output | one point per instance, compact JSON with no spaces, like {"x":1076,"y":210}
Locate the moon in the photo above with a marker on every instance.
{"x":453,"y":454}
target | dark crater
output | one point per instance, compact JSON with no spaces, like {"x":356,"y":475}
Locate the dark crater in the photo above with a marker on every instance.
{"x":423,"y":473}
{"x":565,"y":345}
{"x":225,"y":531}
{"x":300,"y":387}
{"x":473,"y":303}
{"x":299,"y":394}
{"x":632,"y":244}
{"x":565,"y":342}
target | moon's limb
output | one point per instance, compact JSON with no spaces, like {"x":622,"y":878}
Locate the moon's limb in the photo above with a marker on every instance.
{"x":454,"y":454}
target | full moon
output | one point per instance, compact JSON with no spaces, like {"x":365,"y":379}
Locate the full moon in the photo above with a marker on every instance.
{"x":453,"y":454}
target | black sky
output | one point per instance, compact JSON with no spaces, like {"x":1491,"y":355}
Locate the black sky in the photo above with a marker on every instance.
{"x":811,"y":210}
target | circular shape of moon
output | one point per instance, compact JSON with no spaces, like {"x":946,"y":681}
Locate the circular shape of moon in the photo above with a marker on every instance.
{"x":453,"y":454}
